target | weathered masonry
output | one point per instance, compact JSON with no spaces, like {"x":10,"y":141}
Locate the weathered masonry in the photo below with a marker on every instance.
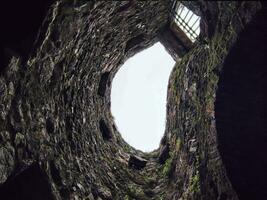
{"x":57,"y":135}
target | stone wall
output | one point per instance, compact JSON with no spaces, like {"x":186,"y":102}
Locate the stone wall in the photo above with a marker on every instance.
{"x":55,"y":120}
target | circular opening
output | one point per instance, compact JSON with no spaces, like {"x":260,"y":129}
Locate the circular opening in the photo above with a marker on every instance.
{"x":138,"y":97}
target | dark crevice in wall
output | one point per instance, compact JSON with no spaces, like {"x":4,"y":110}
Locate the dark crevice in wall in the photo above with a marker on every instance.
{"x":164,"y":153}
{"x":104,"y":129}
{"x":104,"y":82}
{"x":55,"y":173}
{"x":31,"y":184}
{"x":136,"y":162}
{"x":241,"y":111}
{"x":133,"y":42}
{"x":50,"y":127}
{"x":124,"y":7}
{"x":20,"y":22}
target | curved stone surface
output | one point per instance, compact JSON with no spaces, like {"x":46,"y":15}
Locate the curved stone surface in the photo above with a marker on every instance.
{"x":55,"y":120}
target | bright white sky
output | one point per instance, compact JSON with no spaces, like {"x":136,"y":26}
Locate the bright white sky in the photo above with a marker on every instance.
{"x":138,"y":97}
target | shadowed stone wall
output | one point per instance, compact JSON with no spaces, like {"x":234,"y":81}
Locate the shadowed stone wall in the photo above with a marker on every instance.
{"x":241,"y":110}
{"x":55,"y":120}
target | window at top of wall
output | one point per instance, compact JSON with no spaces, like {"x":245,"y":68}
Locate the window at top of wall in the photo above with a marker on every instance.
{"x":186,"y":20}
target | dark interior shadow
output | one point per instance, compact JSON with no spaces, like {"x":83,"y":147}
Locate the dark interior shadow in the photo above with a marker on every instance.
{"x":31,"y":184}
{"x":241,"y":111}
{"x":19,"y":23}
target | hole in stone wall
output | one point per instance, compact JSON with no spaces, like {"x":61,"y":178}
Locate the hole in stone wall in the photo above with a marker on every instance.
{"x":134,"y":42}
{"x":103,"y":84}
{"x":31,"y":184}
{"x":50,"y":127}
{"x":241,"y":111}
{"x":55,"y":173}
{"x":138,"y":97}
{"x":104,"y":129}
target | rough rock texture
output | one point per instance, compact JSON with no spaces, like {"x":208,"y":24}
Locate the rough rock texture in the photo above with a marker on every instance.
{"x":58,"y":139}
